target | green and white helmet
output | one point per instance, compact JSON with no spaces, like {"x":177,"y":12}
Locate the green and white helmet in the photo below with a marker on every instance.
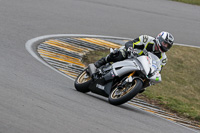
{"x":164,"y":41}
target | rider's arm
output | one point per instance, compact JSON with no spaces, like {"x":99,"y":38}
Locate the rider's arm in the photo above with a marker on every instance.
{"x":138,"y":43}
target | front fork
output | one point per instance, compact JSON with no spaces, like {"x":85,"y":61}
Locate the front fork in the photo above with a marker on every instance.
{"x":129,"y":79}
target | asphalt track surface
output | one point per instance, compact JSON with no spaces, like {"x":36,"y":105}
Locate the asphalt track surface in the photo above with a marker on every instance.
{"x":33,"y":98}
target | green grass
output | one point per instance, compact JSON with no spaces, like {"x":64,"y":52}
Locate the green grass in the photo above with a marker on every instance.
{"x":194,"y":2}
{"x":93,"y":56}
{"x":179,"y":90}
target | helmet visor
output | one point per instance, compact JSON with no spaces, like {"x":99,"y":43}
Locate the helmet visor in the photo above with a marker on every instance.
{"x":164,"y":43}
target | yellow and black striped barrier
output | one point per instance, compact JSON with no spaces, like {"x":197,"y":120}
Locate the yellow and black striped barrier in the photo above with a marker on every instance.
{"x":64,"y":53}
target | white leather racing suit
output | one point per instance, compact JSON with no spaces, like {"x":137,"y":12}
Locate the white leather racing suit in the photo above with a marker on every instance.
{"x":145,"y":42}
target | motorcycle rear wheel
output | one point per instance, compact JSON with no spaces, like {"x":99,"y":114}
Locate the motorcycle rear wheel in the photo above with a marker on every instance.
{"x":121,"y":96}
{"x":82,"y":82}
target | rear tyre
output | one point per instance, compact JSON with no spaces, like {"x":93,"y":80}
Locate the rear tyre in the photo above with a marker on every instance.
{"x":121,"y":96}
{"x":82,"y":82}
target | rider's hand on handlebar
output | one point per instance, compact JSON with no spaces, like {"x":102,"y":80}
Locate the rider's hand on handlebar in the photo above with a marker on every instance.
{"x":132,"y":52}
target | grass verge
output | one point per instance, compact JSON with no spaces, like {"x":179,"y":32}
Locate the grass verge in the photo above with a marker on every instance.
{"x":194,"y":2}
{"x":179,"y":90}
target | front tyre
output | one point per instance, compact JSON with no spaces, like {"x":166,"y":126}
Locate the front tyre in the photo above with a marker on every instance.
{"x":121,"y":96}
{"x":82,"y":82}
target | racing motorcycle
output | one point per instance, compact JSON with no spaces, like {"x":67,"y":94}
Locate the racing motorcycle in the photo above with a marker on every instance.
{"x":123,"y":80}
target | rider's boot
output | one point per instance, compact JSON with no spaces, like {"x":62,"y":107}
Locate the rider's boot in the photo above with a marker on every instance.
{"x":100,"y":62}
{"x":116,"y":55}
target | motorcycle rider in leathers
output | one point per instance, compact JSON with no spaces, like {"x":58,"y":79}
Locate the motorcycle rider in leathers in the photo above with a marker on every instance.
{"x":158,"y":46}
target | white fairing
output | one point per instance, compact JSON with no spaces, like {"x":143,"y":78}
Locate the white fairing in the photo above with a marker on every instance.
{"x":156,"y":78}
{"x":146,"y":63}
{"x":151,"y":65}
{"x":122,"y":67}
{"x":155,"y":69}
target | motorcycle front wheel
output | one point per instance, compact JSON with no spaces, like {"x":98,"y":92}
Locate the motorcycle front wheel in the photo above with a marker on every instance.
{"x":82,"y":82}
{"x":125,"y":94}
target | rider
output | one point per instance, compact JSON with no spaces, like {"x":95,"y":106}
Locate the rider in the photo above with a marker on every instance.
{"x":158,"y":46}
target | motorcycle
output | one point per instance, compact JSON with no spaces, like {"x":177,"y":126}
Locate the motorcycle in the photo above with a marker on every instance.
{"x":123,"y":80}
